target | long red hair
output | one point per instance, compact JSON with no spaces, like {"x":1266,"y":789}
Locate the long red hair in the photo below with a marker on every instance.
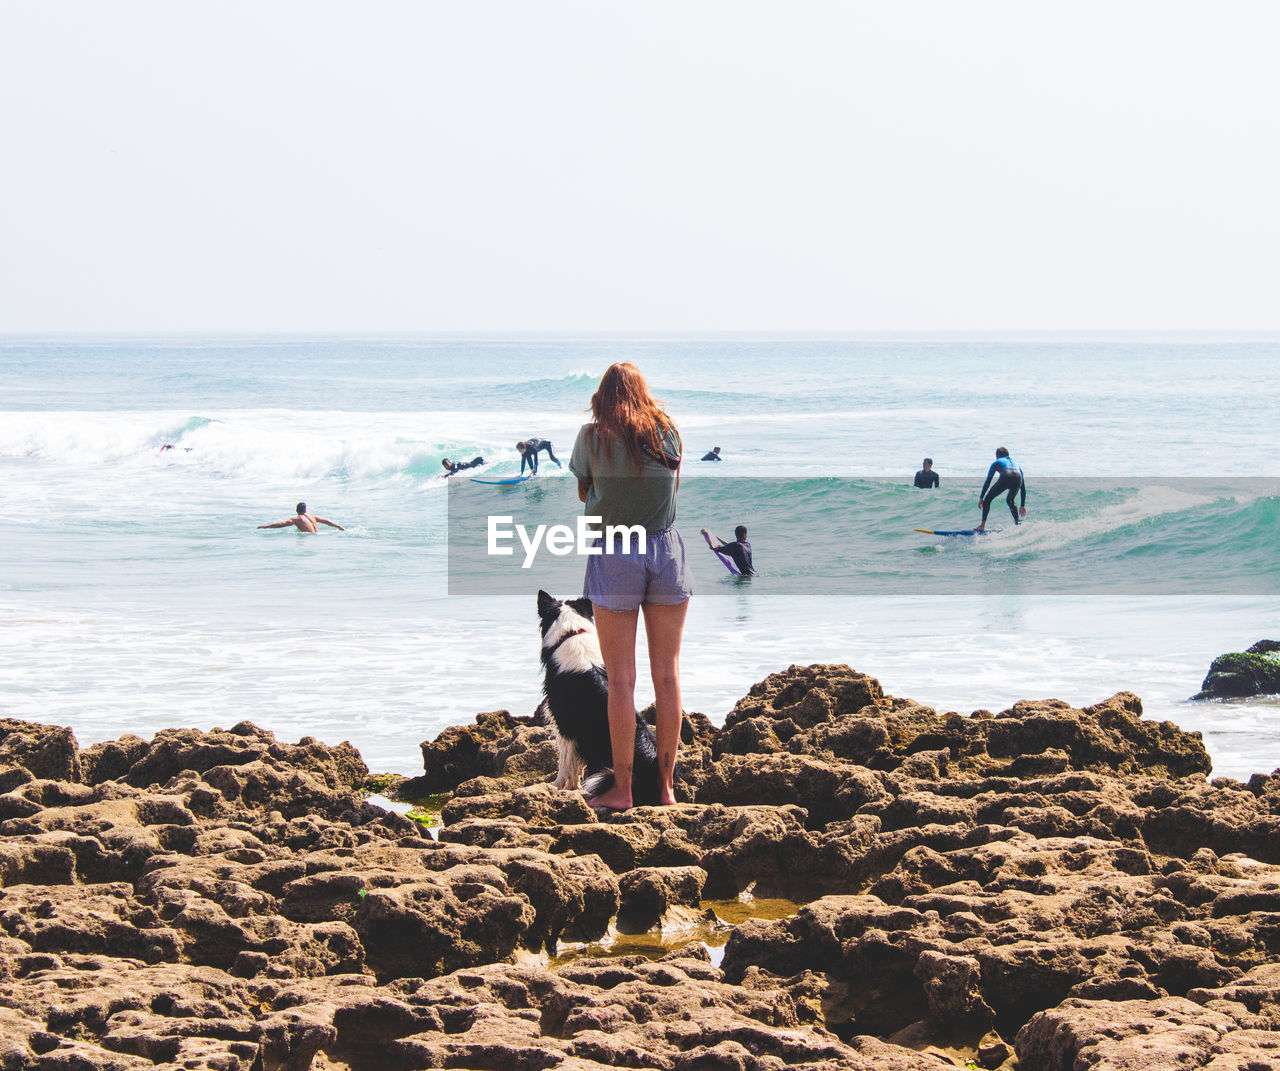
{"x":622,"y":407}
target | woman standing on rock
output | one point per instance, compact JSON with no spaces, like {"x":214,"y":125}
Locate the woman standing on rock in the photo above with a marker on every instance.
{"x":627,"y":461}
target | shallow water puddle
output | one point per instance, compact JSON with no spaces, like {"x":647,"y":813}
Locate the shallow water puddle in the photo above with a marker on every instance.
{"x":426,"y":812}
{"x":708,"y":925}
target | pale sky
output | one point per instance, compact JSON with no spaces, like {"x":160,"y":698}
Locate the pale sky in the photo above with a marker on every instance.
{"x":481,"y":165}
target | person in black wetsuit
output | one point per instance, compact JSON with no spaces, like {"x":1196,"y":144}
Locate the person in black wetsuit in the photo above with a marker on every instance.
{"x":712,"y":455}
{"x":926,"y":477}
{"x":739,"y":550}
{"x":528,"y":449}
{"x":458,"y":466}
{"x":1004,"y":475}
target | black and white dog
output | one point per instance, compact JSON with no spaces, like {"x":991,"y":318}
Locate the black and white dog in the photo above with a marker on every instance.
{"x":576,"y":704}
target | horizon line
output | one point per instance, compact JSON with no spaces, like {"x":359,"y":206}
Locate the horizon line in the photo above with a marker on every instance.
{"x":647,"y":333}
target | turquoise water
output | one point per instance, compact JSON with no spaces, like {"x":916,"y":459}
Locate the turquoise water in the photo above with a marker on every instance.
{"x":136,"y":592}
{"x":819,"y":538}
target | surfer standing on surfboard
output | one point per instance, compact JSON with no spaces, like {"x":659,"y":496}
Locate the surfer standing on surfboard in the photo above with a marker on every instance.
{"x":1007,"y":476}
{"x":528,"y":449}
{"x":739,"y":550}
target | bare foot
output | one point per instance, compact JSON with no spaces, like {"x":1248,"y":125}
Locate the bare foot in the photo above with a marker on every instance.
{"x":613,"y":800}
{"x":666,"y":797}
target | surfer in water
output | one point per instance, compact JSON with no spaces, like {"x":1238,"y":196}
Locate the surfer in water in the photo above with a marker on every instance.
{"x":457,"y":466}
{"x":528,"y":450}
{"x":926,"y":477}
{"x":739,"y":550}
{"x":712,"y":455}
{"x":1004,"y":475}
{"x":304,"y":521}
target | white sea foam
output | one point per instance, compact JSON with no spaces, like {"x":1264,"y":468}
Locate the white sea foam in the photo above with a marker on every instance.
{"x":271,"y":444}
{"x":1148,"y":503}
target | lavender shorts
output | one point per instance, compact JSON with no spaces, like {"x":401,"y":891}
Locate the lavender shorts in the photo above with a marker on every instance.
{"x":622,"y":581}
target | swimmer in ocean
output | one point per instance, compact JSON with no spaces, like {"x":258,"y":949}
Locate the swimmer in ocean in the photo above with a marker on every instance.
{"x":926,"y":477}
{"x":304,"y":521}
{"x":1004,"y":475}
{"x":712,"y":455}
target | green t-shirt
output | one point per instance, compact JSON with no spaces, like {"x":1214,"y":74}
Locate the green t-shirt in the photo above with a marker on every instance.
{"x":618,"y":493}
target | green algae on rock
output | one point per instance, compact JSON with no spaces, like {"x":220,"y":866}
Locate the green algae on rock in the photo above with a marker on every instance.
{"x":1255,"y":671}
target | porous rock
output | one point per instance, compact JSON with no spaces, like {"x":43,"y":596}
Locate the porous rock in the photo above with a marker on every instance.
{"x":1064,"y":878}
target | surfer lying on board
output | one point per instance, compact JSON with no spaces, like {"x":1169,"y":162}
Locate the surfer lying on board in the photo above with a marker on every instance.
{"x":529,"y":448}
{"x":458,"y":466}
{"x":739,"y":550}
{"x":1007,"y":476}
{"x":304,"y":521}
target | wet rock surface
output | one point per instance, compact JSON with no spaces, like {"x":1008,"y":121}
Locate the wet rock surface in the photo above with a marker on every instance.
{"x":1041,"y":888}
{"x":1254,"y":671}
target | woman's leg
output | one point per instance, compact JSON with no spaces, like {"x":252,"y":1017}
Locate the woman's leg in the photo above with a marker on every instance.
{"x":617,"y":634}
{"x":664,"y":626}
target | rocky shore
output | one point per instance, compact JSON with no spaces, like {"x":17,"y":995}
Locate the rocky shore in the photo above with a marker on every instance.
{"x":1044,"y":888}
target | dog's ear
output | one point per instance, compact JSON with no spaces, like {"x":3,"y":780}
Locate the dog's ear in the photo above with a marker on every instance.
{"x":546,"y":604}
{"x":583,"y":606}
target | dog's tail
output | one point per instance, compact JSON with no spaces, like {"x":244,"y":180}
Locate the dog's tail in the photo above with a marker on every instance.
{"x":644,"y":786}
{"x":597,"y":783}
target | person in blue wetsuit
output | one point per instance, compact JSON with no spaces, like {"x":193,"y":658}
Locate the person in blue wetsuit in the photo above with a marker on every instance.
{"x":1003,"y":476}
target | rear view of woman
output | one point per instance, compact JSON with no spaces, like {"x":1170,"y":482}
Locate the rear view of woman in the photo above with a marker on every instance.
{"x":627,"y":460}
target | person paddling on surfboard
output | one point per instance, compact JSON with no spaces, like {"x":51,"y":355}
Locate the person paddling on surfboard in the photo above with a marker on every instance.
{"x":529,"y":448}
{"x":458,"y":466}
{"x":1004,"y":475}
{"x":304,"y":521}
{"x":739,"y":550}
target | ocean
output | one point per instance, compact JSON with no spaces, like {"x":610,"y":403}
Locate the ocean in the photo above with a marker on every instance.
{"x":136,"y":592}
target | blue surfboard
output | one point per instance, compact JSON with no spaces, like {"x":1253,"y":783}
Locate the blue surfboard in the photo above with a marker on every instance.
{"x":503,"y":480}
{"x":957,"y":531}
